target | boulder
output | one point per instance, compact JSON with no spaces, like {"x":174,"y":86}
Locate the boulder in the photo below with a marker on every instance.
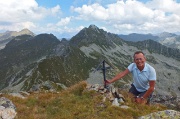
{"x":7,"y":109}
{"x":166,"y":114}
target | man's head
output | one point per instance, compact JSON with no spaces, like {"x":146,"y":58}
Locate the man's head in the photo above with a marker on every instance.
{"x":139,"y":59}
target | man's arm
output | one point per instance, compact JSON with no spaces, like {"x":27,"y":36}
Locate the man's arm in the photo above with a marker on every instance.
{"x":150,"y":90}
{"x":120,"y":75}
{"x":143,"y":99}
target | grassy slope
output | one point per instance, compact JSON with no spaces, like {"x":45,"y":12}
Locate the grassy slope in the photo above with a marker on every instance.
{"x":75,"y":102}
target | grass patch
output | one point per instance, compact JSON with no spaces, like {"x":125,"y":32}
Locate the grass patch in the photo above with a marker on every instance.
{"x":76,"y":102}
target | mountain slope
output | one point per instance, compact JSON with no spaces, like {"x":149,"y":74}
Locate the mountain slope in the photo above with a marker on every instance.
{"x":155,"y":47}
{"x":67,"y":62}
{"x":165,"y":35}
{"x":59,"y":69}
{"x":23,"y":51}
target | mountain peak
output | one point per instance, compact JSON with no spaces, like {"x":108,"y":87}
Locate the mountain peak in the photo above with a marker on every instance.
{"x":23,"y":31}
{"x":9,"y":34}
{"x":94,"y":27}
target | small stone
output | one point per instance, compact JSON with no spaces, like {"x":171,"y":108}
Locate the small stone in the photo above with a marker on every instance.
{"x":104,"y":99}
{"x":124,"y":106}
{"x":105,"y":90}
{"x":121,"y":100}
{"x":88,"y":86}
{"x":115,"y":102}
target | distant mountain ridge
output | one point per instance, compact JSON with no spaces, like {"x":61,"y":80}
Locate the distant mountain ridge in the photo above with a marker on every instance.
{"x":9,"y":35}
{"x":165,"y":35}
{"x":165,"y":38}
{"x":43,"y":61}
{"x":173,"y":42}
{"x":138,"y":37}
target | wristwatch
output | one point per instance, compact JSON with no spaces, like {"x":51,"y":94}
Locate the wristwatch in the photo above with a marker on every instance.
{"x":142,"y":98}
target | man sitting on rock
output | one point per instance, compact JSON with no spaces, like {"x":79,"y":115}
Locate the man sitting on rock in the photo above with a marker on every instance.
{"x":144,"y":77}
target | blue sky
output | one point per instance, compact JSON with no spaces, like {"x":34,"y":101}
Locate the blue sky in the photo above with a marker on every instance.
{"x":65,"y":18}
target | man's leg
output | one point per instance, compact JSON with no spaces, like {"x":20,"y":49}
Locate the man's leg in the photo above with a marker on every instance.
{"x":133,"y":93}
{"x":133,"y":90}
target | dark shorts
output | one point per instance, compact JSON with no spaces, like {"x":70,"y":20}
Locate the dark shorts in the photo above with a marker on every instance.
{"x":134,"y":91}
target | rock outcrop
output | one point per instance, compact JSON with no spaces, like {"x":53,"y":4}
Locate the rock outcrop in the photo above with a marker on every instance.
{"x":166,"y":114}
{"x":110,"y":93}
{"x":7,"y":109}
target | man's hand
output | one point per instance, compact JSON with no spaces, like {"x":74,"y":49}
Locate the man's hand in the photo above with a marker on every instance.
{"x":140,"y":100}
{"x":106,"y":82}
{"x":117,"y":77}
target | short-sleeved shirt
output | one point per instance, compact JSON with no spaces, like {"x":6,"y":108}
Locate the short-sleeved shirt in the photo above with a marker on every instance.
{"x":141,"y":78}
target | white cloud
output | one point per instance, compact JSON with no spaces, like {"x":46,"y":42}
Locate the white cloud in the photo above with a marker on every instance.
{"x":55,"y":10}
{"x":129,"y":10}
{"x":164,"y":5}
{"x":133,"y":15}
{"x":18,"y":26}
{"x":19,"y":14}
{"x":17,"y":10}
{"x":91,"y":12}
{"x":60,"y":29}
{"x":122,"y":16}
{"x":64,"y":21}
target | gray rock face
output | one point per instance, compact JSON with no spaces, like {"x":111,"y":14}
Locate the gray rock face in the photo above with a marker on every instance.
{"x":166,"y":114}
{"x":6,"y":103}
{"x":7,"y":109}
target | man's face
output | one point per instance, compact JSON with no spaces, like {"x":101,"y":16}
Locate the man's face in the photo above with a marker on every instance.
{"x":139,"y":59}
